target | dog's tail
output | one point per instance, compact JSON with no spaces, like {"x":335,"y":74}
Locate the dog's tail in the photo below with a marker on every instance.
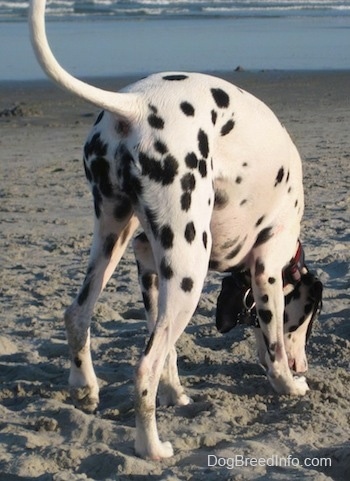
{"x":122,"y":104}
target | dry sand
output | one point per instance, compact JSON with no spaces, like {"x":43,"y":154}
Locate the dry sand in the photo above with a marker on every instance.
{"x":46,"y":224}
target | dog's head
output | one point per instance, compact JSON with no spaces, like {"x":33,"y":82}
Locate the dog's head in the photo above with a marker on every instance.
{"x":235,"y":302}
{"x":235,"y":305}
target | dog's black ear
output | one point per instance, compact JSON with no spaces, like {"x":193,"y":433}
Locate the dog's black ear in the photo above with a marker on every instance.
{"x":229,"y":305}
{"x":315,"y":287}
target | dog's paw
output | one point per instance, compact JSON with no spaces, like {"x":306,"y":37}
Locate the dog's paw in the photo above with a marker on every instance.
{"x":172,"y":398}
{"x":156,"y":452}
{"x":184,"y":400}
{"x":300,"y":386}
{"x":84,"y":398}
{"x":288,"y":384}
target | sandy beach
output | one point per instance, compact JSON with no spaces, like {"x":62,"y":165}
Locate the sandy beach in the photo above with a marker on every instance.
{"x":46,"y":225}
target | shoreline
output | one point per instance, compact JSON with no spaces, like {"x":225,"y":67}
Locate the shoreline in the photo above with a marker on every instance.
{"x":239,"y":76}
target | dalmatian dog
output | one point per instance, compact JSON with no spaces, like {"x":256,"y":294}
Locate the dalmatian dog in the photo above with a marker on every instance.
{"x":215,"y":182}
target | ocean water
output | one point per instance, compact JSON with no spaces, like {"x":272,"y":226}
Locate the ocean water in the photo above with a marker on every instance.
{"x":68,"y":9}
{"x":115,"y":37}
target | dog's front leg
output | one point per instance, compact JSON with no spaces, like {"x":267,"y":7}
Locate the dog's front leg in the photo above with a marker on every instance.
{"x":268,"y":294}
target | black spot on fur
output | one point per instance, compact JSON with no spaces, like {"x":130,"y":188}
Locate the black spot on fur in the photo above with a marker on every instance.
{"x":153,"y":108}
{"x":131,"y":184}
{"x":147,"y":281}
{"x":191,"y":160}
{"x":259,"y":267}
{"x":187,"y":284}
{"x":244,"y":201}
{"x":205,"y":239}
{"x":229,"y":243}
{"x":99,"y":118}
{"x":165,"y":269}
{"x":296,"y":203}
{"x":95,"y":147}
{"x":160,"y":147}
{"x":149,"y":344}
{"x":186,"y":200}
{"x":238,"y":180}
{"x":170,"y":169}
{"x":202,"y":167}
{"x":221,"y":98}
{"x":97,"y":201}
{"x":265,"y":315}
{"x":156,"y":122}
{"x":279,"y":177}
{"x":221,"y":199}
{"x":226,"y":129}
{"x":190,"y":232}
{"x":263,"y":236}
{"x":166,"y":237}
{"x":259,"y":221}
{"x":234,"y":252}
{"x":214,"y":265}
{"x":78,"y":362}
{"x":188,"y":182}
{"x":122,"y":208}
{"x":163,"y":173}
{"x":187,"y":109}
{"x":175,"y":77}
{"x":265,"y":298}
{"x":109,"y":244}
{"x":203,"y":143}
{"x":83,"y":295}
{"x":214,"y":116}
{"x":144,"y":393}
{"x":100,"y":173}
{"x":271,"y":280}
{"x":123,"y":128}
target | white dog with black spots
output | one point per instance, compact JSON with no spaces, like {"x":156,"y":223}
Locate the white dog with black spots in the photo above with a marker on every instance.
{"x":215,"y":181}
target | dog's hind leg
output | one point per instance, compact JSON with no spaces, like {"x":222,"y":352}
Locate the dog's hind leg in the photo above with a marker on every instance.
{"x":170,"y":391}
{"x":182,"y":270}
{"x":110,"y":239}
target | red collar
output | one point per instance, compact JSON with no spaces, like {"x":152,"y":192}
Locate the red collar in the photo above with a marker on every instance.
{"x":292,"y":273}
